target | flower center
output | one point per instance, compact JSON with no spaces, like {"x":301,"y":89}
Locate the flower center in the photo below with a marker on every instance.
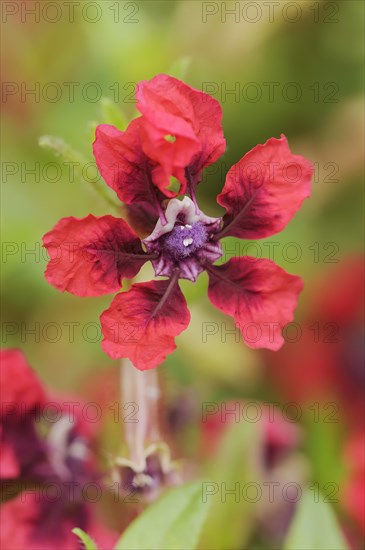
{"x":184,"y":240}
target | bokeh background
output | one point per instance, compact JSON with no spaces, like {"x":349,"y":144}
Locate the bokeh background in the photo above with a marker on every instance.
{"x":285,"y":67}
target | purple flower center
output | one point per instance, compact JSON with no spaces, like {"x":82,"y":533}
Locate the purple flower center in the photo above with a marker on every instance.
{"x":184,"y":240}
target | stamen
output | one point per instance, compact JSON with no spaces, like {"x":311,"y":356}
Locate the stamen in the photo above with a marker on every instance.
{"x":184,"y":240}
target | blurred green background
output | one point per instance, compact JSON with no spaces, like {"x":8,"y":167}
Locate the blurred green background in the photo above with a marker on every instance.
{"x":293,"y":68}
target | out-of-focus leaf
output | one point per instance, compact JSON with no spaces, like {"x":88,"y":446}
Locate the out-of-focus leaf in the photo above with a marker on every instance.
{"x":84,"y":537}
{"x":231,"y":520}
{"x":61,"y":149}
{"x":323,"y":442}
{"x":314,"y":527}
{"x":112,"y":114}
{"x":180,"y":68}
{"x":174,"y":522}
{"x":213,"y":335}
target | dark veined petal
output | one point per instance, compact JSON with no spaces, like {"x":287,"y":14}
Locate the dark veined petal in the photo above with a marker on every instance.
{"x":259,"y":295}
{"x":142,"y":217}
{"x":141,"y":324}
{"x":123,"y":164}
{"x":90,"y":256}
{"x":264,"y":190}
{"x":183,"y":131}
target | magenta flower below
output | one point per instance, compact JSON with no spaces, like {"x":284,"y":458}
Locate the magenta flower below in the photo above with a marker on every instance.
{"x":178,"y":135}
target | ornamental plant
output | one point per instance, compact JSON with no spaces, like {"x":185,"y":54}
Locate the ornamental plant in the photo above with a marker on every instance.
{"x":45,"y":465}
{"x":178,"y":134}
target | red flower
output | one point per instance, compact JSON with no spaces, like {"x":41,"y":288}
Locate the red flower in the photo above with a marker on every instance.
{"x":330,"y":347}
{"x":43,"y":476}
{"x":25,"y":524}
{"x":330,"y":351}
{"x":21,"y":389}
{"x":9,"y":466}
{"x":179,"y":134}
{"x":22,"y":395}
{"x":354,"y":491}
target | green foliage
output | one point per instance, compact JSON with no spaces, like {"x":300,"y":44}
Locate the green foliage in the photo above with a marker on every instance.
{"x":231,"y":520}
{"x":174,"y":522}
{"x":112,"y":114}
{"x":180,"y":67}
{"x":62,"y":149}
{"x":314,"y":527}
{"x":86,"y":540}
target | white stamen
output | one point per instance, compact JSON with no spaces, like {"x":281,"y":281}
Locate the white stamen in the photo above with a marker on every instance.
{"x":186,"y":242}
{"x":79,"y":450}
{"x":181,"y":227}
{"x":142,"y":480}
{"x":188,"y":226}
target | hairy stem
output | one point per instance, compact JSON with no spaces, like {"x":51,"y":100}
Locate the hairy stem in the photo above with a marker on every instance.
{"x":140,"y":393}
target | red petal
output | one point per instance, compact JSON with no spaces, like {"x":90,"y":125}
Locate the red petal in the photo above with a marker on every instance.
{"x":142,"y":217}
{"x":193,"y":118}
{"x":123,"y":164}
{"x":90,"y":256}
{"x":264,"y":190}
{"x":32,"y":520}
{"x":141,"y":324}
{"x":19,"y":384}
{"x":259,"y":295}
{"x":9,"y":465}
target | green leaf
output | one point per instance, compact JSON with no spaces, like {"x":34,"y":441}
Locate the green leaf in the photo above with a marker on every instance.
{"x":112,"y":114}
{"x":232,"y":516}
{"x":62,"y":149}
{"x":173,"y":522}
{"x":84,"y":537}
{"x":314,"y":526}
{"x":323,"y":442}
{"x":180,"y":68}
